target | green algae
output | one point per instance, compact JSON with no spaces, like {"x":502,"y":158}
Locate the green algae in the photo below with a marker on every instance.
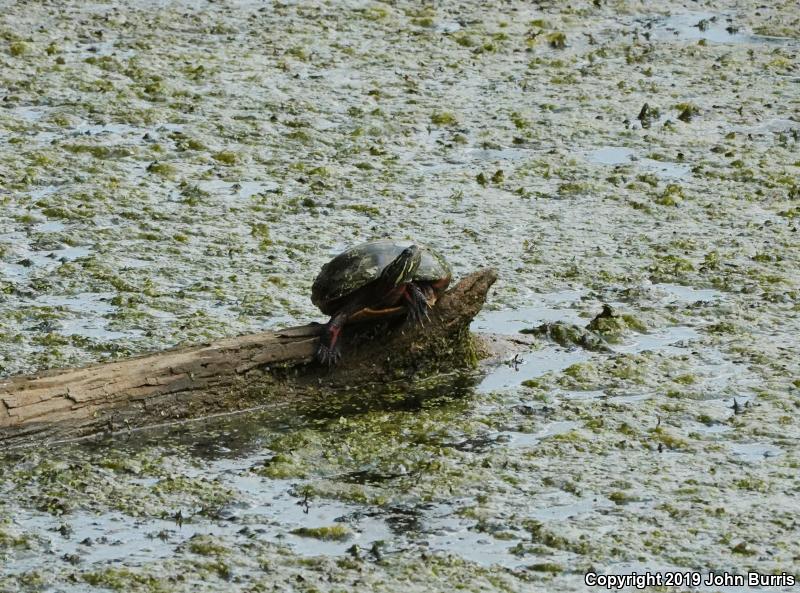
{"x":206,"y":546}
{"x":672,"y":195}
{"x":568,"y":334}
{"x":332,"y":532}
{"x":99,"y":151}
{"x":283,"y":466}
{"x":352,"y":101}
{"x":444,"y":118}
{"x":125,"y":579}
{"x":613,"y":326}
{"x":668,"y":439}
{"x":226,"y":157}
{"x":621,"y":498}
{"x":556,"y":39}
{"x":163,"y":169}
{"x":687,"y":111}
{"x":9,"y":540}
{"x":551,"y":567}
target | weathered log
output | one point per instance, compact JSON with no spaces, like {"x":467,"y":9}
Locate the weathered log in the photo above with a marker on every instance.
{"x":235,"y":373}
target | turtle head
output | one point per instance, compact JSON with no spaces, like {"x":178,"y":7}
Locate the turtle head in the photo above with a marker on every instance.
{"x":404,"y":266}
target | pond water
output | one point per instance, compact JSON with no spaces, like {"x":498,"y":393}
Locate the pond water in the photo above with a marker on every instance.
{"x":177,"y":172}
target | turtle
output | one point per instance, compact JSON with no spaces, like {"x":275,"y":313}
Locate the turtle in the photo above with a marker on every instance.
{"x":373,"y":281}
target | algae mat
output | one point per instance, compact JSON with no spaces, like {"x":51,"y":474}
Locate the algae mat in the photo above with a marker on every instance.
{"x":174,"y":172}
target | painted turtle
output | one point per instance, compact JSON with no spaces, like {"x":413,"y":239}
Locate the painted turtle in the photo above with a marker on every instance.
{"x":373,"y":280}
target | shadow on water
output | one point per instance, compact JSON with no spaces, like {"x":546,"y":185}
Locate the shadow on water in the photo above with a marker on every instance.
{"x":240,"y":434}
{"x":230,"y":451}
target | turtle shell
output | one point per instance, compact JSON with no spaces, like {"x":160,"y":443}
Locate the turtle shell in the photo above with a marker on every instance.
{"x":358,"y":266}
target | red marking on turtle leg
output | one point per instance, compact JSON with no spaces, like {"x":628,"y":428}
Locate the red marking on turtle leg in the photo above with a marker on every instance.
{"x":329,"y":352}
{"x":333,"y":335}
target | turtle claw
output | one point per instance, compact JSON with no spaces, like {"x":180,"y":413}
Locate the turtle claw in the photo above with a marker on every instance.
{"x":418,"y":314}
{"x":328,"y":355}
{"x":418,"y":306}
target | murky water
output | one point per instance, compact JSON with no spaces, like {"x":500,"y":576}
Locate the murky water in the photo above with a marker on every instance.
{"x":616,"y":155}
{"x":712,"y":27}
{"x":177,"y":171}
{"x":241,"y":190}
{"x":232,"y":452}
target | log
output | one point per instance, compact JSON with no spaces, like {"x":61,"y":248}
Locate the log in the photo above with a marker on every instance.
{"x":257,"y":370}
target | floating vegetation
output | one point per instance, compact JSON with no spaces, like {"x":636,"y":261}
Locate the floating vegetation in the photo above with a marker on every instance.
{"x":631,"y":176}
{"x":444,"y":118}
{"x":686,"y":111}
{"x":672,"y":195}
{"x":556,"y":39}
{"x":333,"y":532}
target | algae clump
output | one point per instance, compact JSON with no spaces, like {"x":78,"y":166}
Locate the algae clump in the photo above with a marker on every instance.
{"x":330,"y":533}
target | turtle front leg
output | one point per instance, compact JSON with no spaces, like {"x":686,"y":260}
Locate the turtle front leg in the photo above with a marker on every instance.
{"x":417,"y":303}
{"x":329,"y":350}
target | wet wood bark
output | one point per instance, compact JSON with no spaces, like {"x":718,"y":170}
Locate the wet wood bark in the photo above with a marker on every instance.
{"x":235,"y":373}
